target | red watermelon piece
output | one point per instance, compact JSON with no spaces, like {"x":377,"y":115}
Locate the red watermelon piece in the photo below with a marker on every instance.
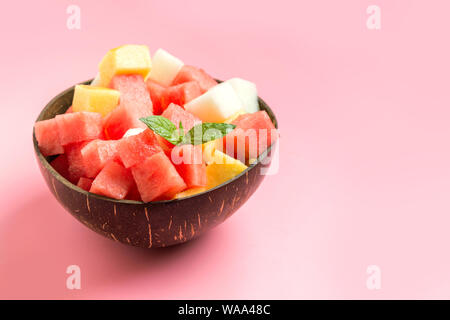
{"x":135,"y":149}
{"x":157,"y":178}
{"x":70,"y":110}
{"x":156,"y":93}
{"x":191,"y":73}
{"x":96,"y":154}
{"x":85,"y":183}
{"x":134,"y":103}
{"x":79,"y":126}
{"x":47,"y":136}
{"x":61,"y":165}
{"x":253,"y":134}
{"x":165,"y":145}
{"x":134,"y":194}
{"x":189,"y":163}
{"x":180,"y":94}
{"x":77,"y":166}
{"x":113,"y":181}
{"x":175,"y":113}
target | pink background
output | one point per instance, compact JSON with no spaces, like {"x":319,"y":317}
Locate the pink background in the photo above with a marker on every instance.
{"x":364,"y":163}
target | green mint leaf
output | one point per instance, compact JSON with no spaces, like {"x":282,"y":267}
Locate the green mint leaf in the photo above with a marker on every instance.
{"x":207,"y":131}
{"x":163,"y":127}
{"x":199,"y":134}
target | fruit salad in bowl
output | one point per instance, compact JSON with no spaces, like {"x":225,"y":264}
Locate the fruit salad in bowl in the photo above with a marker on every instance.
{"x":149,"y":136}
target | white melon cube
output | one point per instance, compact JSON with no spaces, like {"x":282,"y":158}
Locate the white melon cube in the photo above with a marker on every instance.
{"x":215,"y":105}
{"x":133,"y":132}
{"x":165,"y":67}
{"x":96,"y":82}
{"x":247,"y":92}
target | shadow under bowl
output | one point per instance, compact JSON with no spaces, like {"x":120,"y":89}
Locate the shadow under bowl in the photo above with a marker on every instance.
{"x":151,"y":224}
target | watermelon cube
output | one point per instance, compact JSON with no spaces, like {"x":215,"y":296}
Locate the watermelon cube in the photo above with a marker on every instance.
{"x":134,"y":103}
{"x":190,"y":73}
{"x":156,"y":93}
{"x":165,"y":67}
{"x":135,"y":149}
{"x":188,"y":160}
{"x":114,"y":181}
{"x":134,"y":194}
{"x":70,"y":110}
{"x":85,"y":183}
{"x":77,"y":166}
{"x":253,"y":134}
{"x":157,"y":178}
{"x":79,"y":126}
{"x":180,"y":94}
{"x":61,"y":165}
{"x":133,"y":92}
{"x":47,"y":136}
{"x":177,"y":114}
{"x":96,"y":154}
{"x":165,"y":145}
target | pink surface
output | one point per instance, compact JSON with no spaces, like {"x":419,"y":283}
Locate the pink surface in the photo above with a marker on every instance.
{"x":364,"y":173}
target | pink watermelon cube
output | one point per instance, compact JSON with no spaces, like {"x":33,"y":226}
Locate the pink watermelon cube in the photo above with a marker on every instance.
{"x":79,"y":126}
{"x":165,"y":145}
{"x":253,"y":134}
{"x":157,"y":178}
{"x":70,"y":110}
{"x":135,"y":149}
{"x":113,"y":181}
{"x":134,"y":194}
{"x":189,"y":163}
{"x":190,"y":73}
{"x":180,"y":94}
{"x":156,"y":93}
{"x":175,"y":113}
{"x":96,"y":154}
{"x":47,"y":136}
{"x":61,"y":165}
{"x":134,"y":103}
{"x":77,"y":166}
{"x":85,"y":183}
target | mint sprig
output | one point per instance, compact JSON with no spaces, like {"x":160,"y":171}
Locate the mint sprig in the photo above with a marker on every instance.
{"x":207,"y":131}
{"x":163,"y":127}
{"x":199,"y":134}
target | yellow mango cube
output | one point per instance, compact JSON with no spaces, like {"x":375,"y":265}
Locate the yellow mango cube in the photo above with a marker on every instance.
{"x":127,"y":59}
{"x":208,"y":150}
{"x":189,"y":192}
{"x":95,"y":99}
{"x":222,"y":168}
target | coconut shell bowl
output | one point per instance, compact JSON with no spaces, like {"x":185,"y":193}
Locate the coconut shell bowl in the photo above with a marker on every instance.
{"x":152,"y":224}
